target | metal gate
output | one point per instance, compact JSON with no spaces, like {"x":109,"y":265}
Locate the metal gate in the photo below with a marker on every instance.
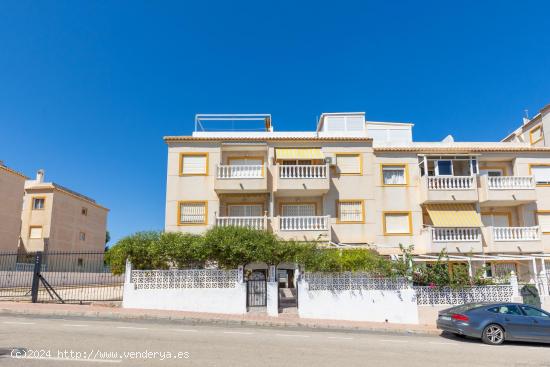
{"x":64,"y":277}
{"x":256,"y":290}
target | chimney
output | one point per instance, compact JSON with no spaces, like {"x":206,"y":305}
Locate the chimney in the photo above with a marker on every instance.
{"x":40,"y":176}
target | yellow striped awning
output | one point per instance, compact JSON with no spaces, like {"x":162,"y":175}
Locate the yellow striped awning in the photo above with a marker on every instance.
{"x":453,"y":215}
{"x":299,"y":153}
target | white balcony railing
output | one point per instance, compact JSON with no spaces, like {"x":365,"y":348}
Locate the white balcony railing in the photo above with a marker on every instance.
{"x":511,"y":182}
{"x":313,"y":223}
{"x":516,"y":233}
{"x":456,"y":234}
{"x":303,"y":171}
{"x":251,"y":222}
{"x":240,"y":171}
{"x":451,"y":182}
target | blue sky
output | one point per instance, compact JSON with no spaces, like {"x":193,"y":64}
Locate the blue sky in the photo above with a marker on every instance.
{"x":88,"y":88}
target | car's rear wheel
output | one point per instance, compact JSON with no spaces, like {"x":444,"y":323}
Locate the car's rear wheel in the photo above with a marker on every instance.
{"x":493,"y":334}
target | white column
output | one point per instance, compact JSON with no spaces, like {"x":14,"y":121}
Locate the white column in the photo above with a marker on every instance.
{"x":271,"y":205}
{"x":515,"y":287}
{"x":272,"y":297}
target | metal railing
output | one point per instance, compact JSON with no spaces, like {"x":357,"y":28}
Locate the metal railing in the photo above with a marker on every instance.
{"x":451,"y":182}
{"x":240,"y":171}
{"x":310,"y":223}
{"x":511,"y":182}
{"x":303,"y":171}
{"x":456,"y":234}
{"x":251,"y":222}
{"x":516,"y":233}
{"x":68,"y":277}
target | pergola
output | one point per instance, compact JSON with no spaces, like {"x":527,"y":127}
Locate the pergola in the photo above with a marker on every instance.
{"x":487,"y":258}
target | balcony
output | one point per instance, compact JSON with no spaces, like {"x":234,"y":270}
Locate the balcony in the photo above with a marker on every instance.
{"x":512,"y":239}
{"x":240,"y":178}
{"x":453,"y":240}
{"x":302,"y":180}
{"x":444,"y":189}
{"x":249,"y":222}
{"x":509,"y":190}
{"x":306,"y":228}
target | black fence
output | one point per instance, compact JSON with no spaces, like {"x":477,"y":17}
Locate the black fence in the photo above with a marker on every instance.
{"x":66,"y":277}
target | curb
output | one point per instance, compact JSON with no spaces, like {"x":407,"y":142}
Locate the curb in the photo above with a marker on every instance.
{"x":300,"y":325}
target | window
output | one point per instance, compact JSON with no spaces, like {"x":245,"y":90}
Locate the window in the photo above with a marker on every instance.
{"x":506,"y":310}
{"x":38,"y":203}
{"x":535,"y":135}
{"x":533,"y":312}
{"x":349,"y":164}
{"x":503,"y":270}
{"x":397,"y":223}
{"x":541,"y":174}
{"x":84,"y":211}
{"x":394,"y":174}
{"x":444,"y":168}
{"x":35,"y":232}
{"x":80,"y":262}
{"x":543,"y":219}
{"x":193,"y":164}
{"x":245,"y":210}
{"x":298,"y":210}
{"x":492,"y":172}
{"x":192,"y":212}
{"x":350,"y":211}
{"x":82,"y":236}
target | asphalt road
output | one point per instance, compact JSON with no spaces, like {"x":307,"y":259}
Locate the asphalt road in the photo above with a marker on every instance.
{"x":81,"y":342}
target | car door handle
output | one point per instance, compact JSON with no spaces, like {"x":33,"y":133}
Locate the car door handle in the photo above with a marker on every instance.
{"x":506,"y":319}
{"x":535,"y":321}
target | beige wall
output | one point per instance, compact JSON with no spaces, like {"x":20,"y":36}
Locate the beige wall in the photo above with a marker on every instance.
{"x":367,"y":187}
{"x":62,"y":222}
{"x":11,"y":198}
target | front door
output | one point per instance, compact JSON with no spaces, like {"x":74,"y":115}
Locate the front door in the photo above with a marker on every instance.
{"x":256,"y":289}
{"x":541,"y":322}
{"x":515,"y":323}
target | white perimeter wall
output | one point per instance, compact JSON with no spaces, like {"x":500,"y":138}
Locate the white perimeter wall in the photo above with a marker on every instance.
{"x":213,"y":300}
{"x":395,"y":306}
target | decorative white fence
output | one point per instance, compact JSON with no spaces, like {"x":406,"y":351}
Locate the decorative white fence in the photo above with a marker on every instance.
{"x":196,"y":290}
{"x":356,"y":296}
{"x":309,"y":223}
{"x":450,"y":296}
{"x":456,"y":234}
{"x":352,"y":281}
{"x":303,"y":171}
{"x":516,"y":233}
{"x":240,"y":171}
{"x":251,"y":222}
{"x":511,"y":182}
{"x":170,"y":279}
{"x":451,"y":182}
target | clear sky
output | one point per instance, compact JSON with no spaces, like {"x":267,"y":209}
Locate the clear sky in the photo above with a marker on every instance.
{"x":88,"y":88}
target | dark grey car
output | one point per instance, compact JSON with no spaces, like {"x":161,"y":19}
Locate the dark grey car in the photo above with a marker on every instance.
{"x":496,"y":322}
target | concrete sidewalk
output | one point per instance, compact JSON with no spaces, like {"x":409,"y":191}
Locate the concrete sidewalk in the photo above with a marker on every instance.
{"x":250,"y":319}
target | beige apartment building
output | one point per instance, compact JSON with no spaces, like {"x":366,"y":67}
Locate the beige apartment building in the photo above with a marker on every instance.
{"x":353,"y":182}
{"x":55,"y":218}
{"x":12,"y":188}
{"x":532,"y":131}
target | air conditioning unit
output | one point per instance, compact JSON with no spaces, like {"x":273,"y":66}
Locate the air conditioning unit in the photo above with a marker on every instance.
{"x":330,"y":161}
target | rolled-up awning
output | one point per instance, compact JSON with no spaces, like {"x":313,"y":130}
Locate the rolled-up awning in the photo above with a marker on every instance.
{"x":454,"y":215}
{"x":299,"y":153}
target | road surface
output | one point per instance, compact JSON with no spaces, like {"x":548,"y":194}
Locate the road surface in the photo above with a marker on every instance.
{"x":80,"y":342}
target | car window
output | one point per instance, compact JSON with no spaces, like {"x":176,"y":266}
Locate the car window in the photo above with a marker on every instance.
{"x":530,"y":311}
{"x":493,"y":309}
{"x":509,"y":310}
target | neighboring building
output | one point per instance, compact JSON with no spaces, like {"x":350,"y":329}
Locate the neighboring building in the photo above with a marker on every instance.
{"x":55,"y":218}
{"x":533,"y":130}
{"x":12,"y":188}
{"x":354,"y":182}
